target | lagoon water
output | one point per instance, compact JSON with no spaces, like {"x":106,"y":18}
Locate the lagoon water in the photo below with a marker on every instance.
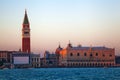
{"x":61,"y":74}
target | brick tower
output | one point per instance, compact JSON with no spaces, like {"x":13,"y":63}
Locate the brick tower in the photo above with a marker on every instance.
{"x":26,"y":34}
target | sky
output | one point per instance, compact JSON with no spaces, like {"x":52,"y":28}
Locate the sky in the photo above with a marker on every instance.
{"x":85,"y":22}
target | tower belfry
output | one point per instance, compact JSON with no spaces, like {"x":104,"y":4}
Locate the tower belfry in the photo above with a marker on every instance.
{"x":26,"y":34}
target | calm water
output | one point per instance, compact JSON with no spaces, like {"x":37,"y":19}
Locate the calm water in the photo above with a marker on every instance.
{"x":61,"y":74}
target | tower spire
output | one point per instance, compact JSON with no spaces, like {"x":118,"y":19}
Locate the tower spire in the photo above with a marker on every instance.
{"x":25,"y":11}
{"x":69,"y":44}
{"x":59,"y":45}
{"x":26,"y":21}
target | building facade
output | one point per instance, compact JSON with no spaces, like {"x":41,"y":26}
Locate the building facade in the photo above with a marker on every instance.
{"x":21,"y":60}
{"x":57,"y":53}
{"x":5,"y":56}
{"x":87,"y":56}
{"x":26,"y":34}
{"x":35,"y":60}
{"x":49,"y":60}
{"x":117,"y":59}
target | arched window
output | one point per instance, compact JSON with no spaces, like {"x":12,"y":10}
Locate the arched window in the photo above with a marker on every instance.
{"x":95,"y":64}
{"x":91,"y":55}
{"x":96,"y":54}
{"x":110,"y":55}
{"x":103,"y":55}
{"x":76,"y":64}
{"x":78,"y":54}
{"x":71,"y":54}
{"x":85,"y":54}
{"x":110,"y":64}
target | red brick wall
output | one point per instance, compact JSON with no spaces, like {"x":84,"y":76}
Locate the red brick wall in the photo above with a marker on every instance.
{"x":26,"y":45}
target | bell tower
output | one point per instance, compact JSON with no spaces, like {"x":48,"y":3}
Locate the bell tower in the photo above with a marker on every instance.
{"x":26,"y":34}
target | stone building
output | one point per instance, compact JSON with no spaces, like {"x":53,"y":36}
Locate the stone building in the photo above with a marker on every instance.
{"x":57,"y":52}
{"x":86,"y":56}
{"x":35,"y":60}
{"x":49,"y":60}
{"x":21,"y":60}
{"x":6,"y":58}
{"x":117,"y":59}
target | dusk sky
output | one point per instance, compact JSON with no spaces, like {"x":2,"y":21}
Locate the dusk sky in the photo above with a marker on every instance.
{"x":85,"y":22}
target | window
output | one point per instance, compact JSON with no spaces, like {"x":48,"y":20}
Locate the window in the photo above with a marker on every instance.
{"x":78,"y":54}
{"x":91,"y":55}
{"x":32,"y":59}
{"x":103,"y":55}
{"x":110,"y":55}
{"x":96,"y":54}
{"x":26,"y":32}
{"x":71,"y":54}
{"x":37,"y":59}
{"x":85,"y":54}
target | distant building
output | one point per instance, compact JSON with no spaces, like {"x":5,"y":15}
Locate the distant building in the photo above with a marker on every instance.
{"x":117,"y":59}
{"x":5,"y":56}
{"x":57,"y":52}
{"x":35,"y":60}
{"x":42,"y":63}
{"x":49,"y":60}
{"x":26,"y":34}
{"x":21,"y":60}
{"x":86,"y":56}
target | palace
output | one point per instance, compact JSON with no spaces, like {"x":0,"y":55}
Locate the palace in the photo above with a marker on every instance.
{"x":86,"y":56}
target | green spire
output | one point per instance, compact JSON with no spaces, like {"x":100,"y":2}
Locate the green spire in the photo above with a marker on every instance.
{"x":25,"y":18}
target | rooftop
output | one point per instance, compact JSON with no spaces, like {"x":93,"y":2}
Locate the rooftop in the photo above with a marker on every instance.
{"x":93,"y":48}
